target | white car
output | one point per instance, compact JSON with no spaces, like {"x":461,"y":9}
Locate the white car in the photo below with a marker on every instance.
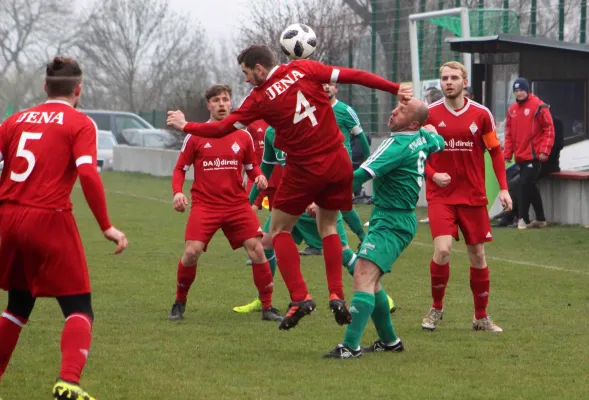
{"x":105,"y":141}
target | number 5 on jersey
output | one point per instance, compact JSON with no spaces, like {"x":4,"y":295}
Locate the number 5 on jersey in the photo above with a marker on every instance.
{"x":26,"y":154}
{"x":308,"y":113}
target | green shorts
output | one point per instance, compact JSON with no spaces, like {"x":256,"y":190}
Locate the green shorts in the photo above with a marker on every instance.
{"x":306,"y":230}
{"x":389,"y":233}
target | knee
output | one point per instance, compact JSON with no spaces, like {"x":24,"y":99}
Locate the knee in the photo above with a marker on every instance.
{"x":192,"y":252}
{"x":267,"y":241}
{"x":255,"y":251}
{"x":77,"y":304}
{"x":477,"y":256}
{"x":20,"y":303}
{"x":443,"y":251}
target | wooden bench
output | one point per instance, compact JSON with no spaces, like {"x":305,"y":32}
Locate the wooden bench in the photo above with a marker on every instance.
{"x":565,"y":195}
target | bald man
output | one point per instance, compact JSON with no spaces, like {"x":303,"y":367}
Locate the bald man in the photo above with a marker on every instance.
{"x":397,"y":168}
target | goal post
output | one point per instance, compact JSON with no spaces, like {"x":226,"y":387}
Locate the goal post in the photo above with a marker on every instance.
{"x":414,"y":41}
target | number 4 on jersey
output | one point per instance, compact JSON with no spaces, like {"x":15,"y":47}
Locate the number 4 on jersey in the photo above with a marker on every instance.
{"x":308,"y":113}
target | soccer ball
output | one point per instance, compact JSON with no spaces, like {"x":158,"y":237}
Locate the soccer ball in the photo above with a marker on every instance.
{"x":298,"y":41}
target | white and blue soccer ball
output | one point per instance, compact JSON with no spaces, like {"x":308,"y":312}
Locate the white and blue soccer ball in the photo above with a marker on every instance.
{"x":298,"y":41}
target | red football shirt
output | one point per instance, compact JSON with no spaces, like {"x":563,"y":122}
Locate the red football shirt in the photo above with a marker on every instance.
{"x":42,"y":148}
{"x":217,"y":168}
{"x":292,"y":100}
{"x":258,"y":129}
{"x":464,"y":132}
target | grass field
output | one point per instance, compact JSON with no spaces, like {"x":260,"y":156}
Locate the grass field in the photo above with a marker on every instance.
{"x":539,"y":296}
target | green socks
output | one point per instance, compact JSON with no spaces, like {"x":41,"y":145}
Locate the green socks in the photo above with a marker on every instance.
{"x":361,"y":308}
{"x":353,"y":220}
{"x":271,"y":257}
{"x":381,"y":317}
{"x":349,"y":259}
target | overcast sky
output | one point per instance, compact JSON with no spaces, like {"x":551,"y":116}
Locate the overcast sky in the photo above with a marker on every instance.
{"x":220,"y":18}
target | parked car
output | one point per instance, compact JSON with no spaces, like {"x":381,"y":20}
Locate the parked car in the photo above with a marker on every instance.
{"x":105,"y":141}
{"x":117,"y":122}
{"x":154,"y":138}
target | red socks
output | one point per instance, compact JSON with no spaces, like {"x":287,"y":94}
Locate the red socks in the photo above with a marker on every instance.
{"x":10,"y":327}
{"x":75,"y":344}
{"x":289,"y":264}
{"x":186,"y":276}
{"x":264,"y":283}
{"x":479,"y":284}
{"x":439,"y":278}
{"x":332,"y":254}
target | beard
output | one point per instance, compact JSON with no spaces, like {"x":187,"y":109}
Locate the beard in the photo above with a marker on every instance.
{"x":258,"y":80}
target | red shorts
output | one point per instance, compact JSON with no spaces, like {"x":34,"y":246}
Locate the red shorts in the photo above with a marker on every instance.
{"x":473,"y":221}
{"x":269,"y":192}
{"x":41,"y":252}
{"x":239,"y":223}
{"x":327,"y":180}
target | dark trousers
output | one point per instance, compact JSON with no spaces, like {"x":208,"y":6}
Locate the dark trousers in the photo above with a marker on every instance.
{"x":527,"y":192}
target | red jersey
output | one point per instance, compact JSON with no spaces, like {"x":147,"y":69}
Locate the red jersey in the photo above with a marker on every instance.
{"x":217,"y":168}
{"x":257,"y":130}
{"x":467,"y":133}
{"x":292,"y":100}
{"x":529,"y":130}
{"x":42,"y":148}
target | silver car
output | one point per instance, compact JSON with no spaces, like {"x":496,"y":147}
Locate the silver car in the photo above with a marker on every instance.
{"x":105,"y":141}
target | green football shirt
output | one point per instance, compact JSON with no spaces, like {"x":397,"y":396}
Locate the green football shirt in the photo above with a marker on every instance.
{"x":272,"y":155}
{"x":397,"y":168}
{"x":347,"y":121}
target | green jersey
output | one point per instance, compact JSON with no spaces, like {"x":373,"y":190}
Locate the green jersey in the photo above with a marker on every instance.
{"x":347,"y":121}
{"x":272,"y":155}
{"x":397,"y":168}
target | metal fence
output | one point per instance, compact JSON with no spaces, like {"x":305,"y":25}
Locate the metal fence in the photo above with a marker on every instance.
{"x":385,"y":50}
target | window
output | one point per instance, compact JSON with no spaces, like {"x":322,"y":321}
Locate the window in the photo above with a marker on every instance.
{"x":155,"y":140}
{"x":105,"y":141}
{"x":503,"y":76}
{"x":129,"y":122}
{"x":567,"y":102}
{"x":102,"y":121}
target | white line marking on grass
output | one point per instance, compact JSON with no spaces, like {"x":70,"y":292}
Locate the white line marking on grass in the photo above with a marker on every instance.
{"x":169,"y":202}
{"x":526,"y":263}
{"x":430,"y":245}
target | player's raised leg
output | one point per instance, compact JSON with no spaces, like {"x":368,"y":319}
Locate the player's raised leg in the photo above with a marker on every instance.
{"x":12,"y":321}
{"x":289,"y":264}
{"x":332,"y":254}
{"x":185,"y":276}
{"x":75,"y":345}
{"x":263,"y":278}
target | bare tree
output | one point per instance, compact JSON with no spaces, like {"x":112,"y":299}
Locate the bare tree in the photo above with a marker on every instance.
{"x":31,"y":28}
{"x":139,"y":53}
{"x":31,"y":31}
{"x":334,"y":24}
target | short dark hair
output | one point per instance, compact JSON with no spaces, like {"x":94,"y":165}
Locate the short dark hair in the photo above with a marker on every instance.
{"x":257,"y":54}
{"x":216,"y":90}
{"x":435,"y":94}
{"x":62,"y":75}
